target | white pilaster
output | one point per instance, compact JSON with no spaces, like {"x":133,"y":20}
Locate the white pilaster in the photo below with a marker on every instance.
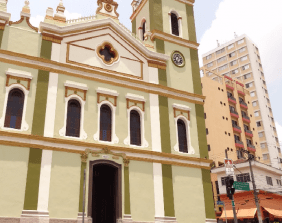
{"x":46,"y":161}
{"x":156,"y":146}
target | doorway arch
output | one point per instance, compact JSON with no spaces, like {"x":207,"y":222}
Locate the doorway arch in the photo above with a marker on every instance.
{"x":105,"y":196}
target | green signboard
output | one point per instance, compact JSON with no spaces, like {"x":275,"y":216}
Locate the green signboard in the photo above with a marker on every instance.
{"x":241,"y":186}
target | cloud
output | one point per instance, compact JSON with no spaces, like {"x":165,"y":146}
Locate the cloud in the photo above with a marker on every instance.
{"x":35,"y":21}
{"x":260,"y":20}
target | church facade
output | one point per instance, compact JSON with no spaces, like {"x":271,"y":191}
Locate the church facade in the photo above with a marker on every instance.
{"x":99,"y":120}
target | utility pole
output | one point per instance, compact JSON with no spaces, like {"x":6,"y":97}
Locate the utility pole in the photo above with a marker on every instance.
{"x":234,"y":210}
{"x":230,"y":193}
{"x":250,"y":158}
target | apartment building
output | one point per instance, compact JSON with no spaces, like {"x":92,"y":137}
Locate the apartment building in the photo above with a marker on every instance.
{"x":240,"y":60}
{"x":230,"y":121}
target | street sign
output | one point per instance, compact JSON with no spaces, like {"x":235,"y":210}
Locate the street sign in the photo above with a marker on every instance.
{"x":241,"y":186}
{"x":229,"y":167}
{"x":220,"y":203}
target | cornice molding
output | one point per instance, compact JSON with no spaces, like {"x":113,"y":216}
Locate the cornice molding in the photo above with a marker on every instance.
{"x":58,"y":32}
{"x":98,"y":75}
{"x":27,"y":21}
{"x":79,"y":147}
{"x":4,"y":19}
{"x":139,"y":8}
{"x":156,"y":34}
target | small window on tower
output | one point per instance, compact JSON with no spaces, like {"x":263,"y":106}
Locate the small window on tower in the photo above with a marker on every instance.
{"x":174,"y":24}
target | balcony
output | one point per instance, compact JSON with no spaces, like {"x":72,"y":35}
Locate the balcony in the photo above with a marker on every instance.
{"x":239,"y":144}
{"x":248,"y":133}
{"x":234,"y":114}
{"x":232,"y":99}
{"x":241,"y":93}
{"x":243,"y":105}
{"x":236,"y":128}
{"x":229,"y":87}
{"x":246,"y":119}
{"x":251,"y":148}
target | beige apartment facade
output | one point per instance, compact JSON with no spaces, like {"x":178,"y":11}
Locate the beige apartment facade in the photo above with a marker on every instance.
{"x":240,"y":60}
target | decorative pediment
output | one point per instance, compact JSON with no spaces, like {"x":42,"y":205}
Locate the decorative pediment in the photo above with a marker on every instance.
{"x":75,"y":88}
{"x":18,"y":77}
{"x":107,"y":8}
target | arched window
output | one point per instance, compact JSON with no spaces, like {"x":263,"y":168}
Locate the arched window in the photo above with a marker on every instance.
{"x":143,"y":30}
{"x":135,"y":128}
{"x":73,"y":118}
{"x":105,"y":123}
{"x":182,"y":136}
{"x":14,"y":109}
{"x":174,"y":24}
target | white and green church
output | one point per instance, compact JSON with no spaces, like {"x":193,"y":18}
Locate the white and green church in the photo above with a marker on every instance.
{"x":100,"y":124}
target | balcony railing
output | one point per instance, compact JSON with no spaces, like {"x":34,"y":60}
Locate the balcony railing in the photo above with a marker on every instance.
{"x":236,"y":128}
{"x":246,"y":118}
{"x":248,"y":131}
{"x":251,"y":148}
{"x":243,"y":104}
{"x":232,"y":98}
{"x":239,"y":143}
{"x":234,"y":114}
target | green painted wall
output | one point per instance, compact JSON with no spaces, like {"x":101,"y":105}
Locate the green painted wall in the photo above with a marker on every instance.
{"x":31,"y":96}
{"x":32,"y":179}
{"x":21,"y":38}
{"x":168,"y":190}
{"x":134,"y":26}
{"x":191,"y":23}
{"x":155,"y":13}
{"x":188,"y":195}
{"x":162,"y":77}
{"x":46,"y":49}
{"x":160,"y":46}
{"x":40,"y":103}
{"x":1,"y":36}
{"x":64,"y":185}
{"x":141,"y":191}
{"x":83,"y":167}
{"x":208,"y":194}
{"x":13,"y":166}
{"x":201,"y":126}
{"x":91,"y":110}
{"x":127,"y":209}
{"x":196,"y":72}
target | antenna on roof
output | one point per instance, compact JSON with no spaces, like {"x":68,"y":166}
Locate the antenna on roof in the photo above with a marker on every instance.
{"x":235,"y":35}
{"x":218,"y":44}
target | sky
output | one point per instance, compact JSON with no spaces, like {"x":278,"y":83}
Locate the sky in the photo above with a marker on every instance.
{"x":215,"y":20}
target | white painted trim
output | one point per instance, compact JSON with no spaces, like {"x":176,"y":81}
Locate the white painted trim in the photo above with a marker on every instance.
{"x":107,"y":91}
{"x":155,"y":123}
{"x":158,"y":190}
{"x":144,"y":142}
{"x":182,"y":107}
{"x":44,"y":182}
{"x":135,"y":97}
{"x":78,"y":148}
{"x":24,"y":125}
{"x":62,"y":131}
{"x":76,"y":85}
{"x":114,"y":137}
{"x":191,"y":150}
{"x":19,"y":73}
{"x":179,"y":19}
{"x":51,"y":105}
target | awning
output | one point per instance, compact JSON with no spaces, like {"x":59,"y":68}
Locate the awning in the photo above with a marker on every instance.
{"x":229,"y":214}
{"x":277,"y":213}
{"x":246,"y":213}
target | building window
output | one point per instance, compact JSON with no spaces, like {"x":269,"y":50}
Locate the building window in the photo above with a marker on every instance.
{"x":253,"y":94}
{"x":135,"y":128}
{"x":246,"y":76}
{"x":240,"y":41}
{"x":244,"y":177}
{"x":233,"y":63}
{"x":242,"y":50}
{"x":209,"y":64}
{"x":249,"y":85}
{"x":264,"y":156}
{"x":260,"y":134}
{"x":244,"y":58}
{"x":222,"y":67}
{"x":279,"y":150}
{"x":182,"y":136}
{"x":73,"y":118}
{"x":209,"y":148}
{"x":174,"y":24}
{"x":221,"y":59}
{"x":259,"y":124}
{"x":246,"y":67}
{"x":143,"y":30}
{"x":14,"y":109}
{"x":208,"y":57}
{"x":278,"y":182}
{"x":240,"y":154}
{"x":105,"y":123}
{"x":269,"y":180}
{"x":262,"y":145}
{"x":230,"y":46}
{"x":207,"y":131}
{"x":220,"y":51}
{"x":254,"y":103}
{"x":223,"y":180}
{"x":256,"y":114}
{"x":232,"y":54}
